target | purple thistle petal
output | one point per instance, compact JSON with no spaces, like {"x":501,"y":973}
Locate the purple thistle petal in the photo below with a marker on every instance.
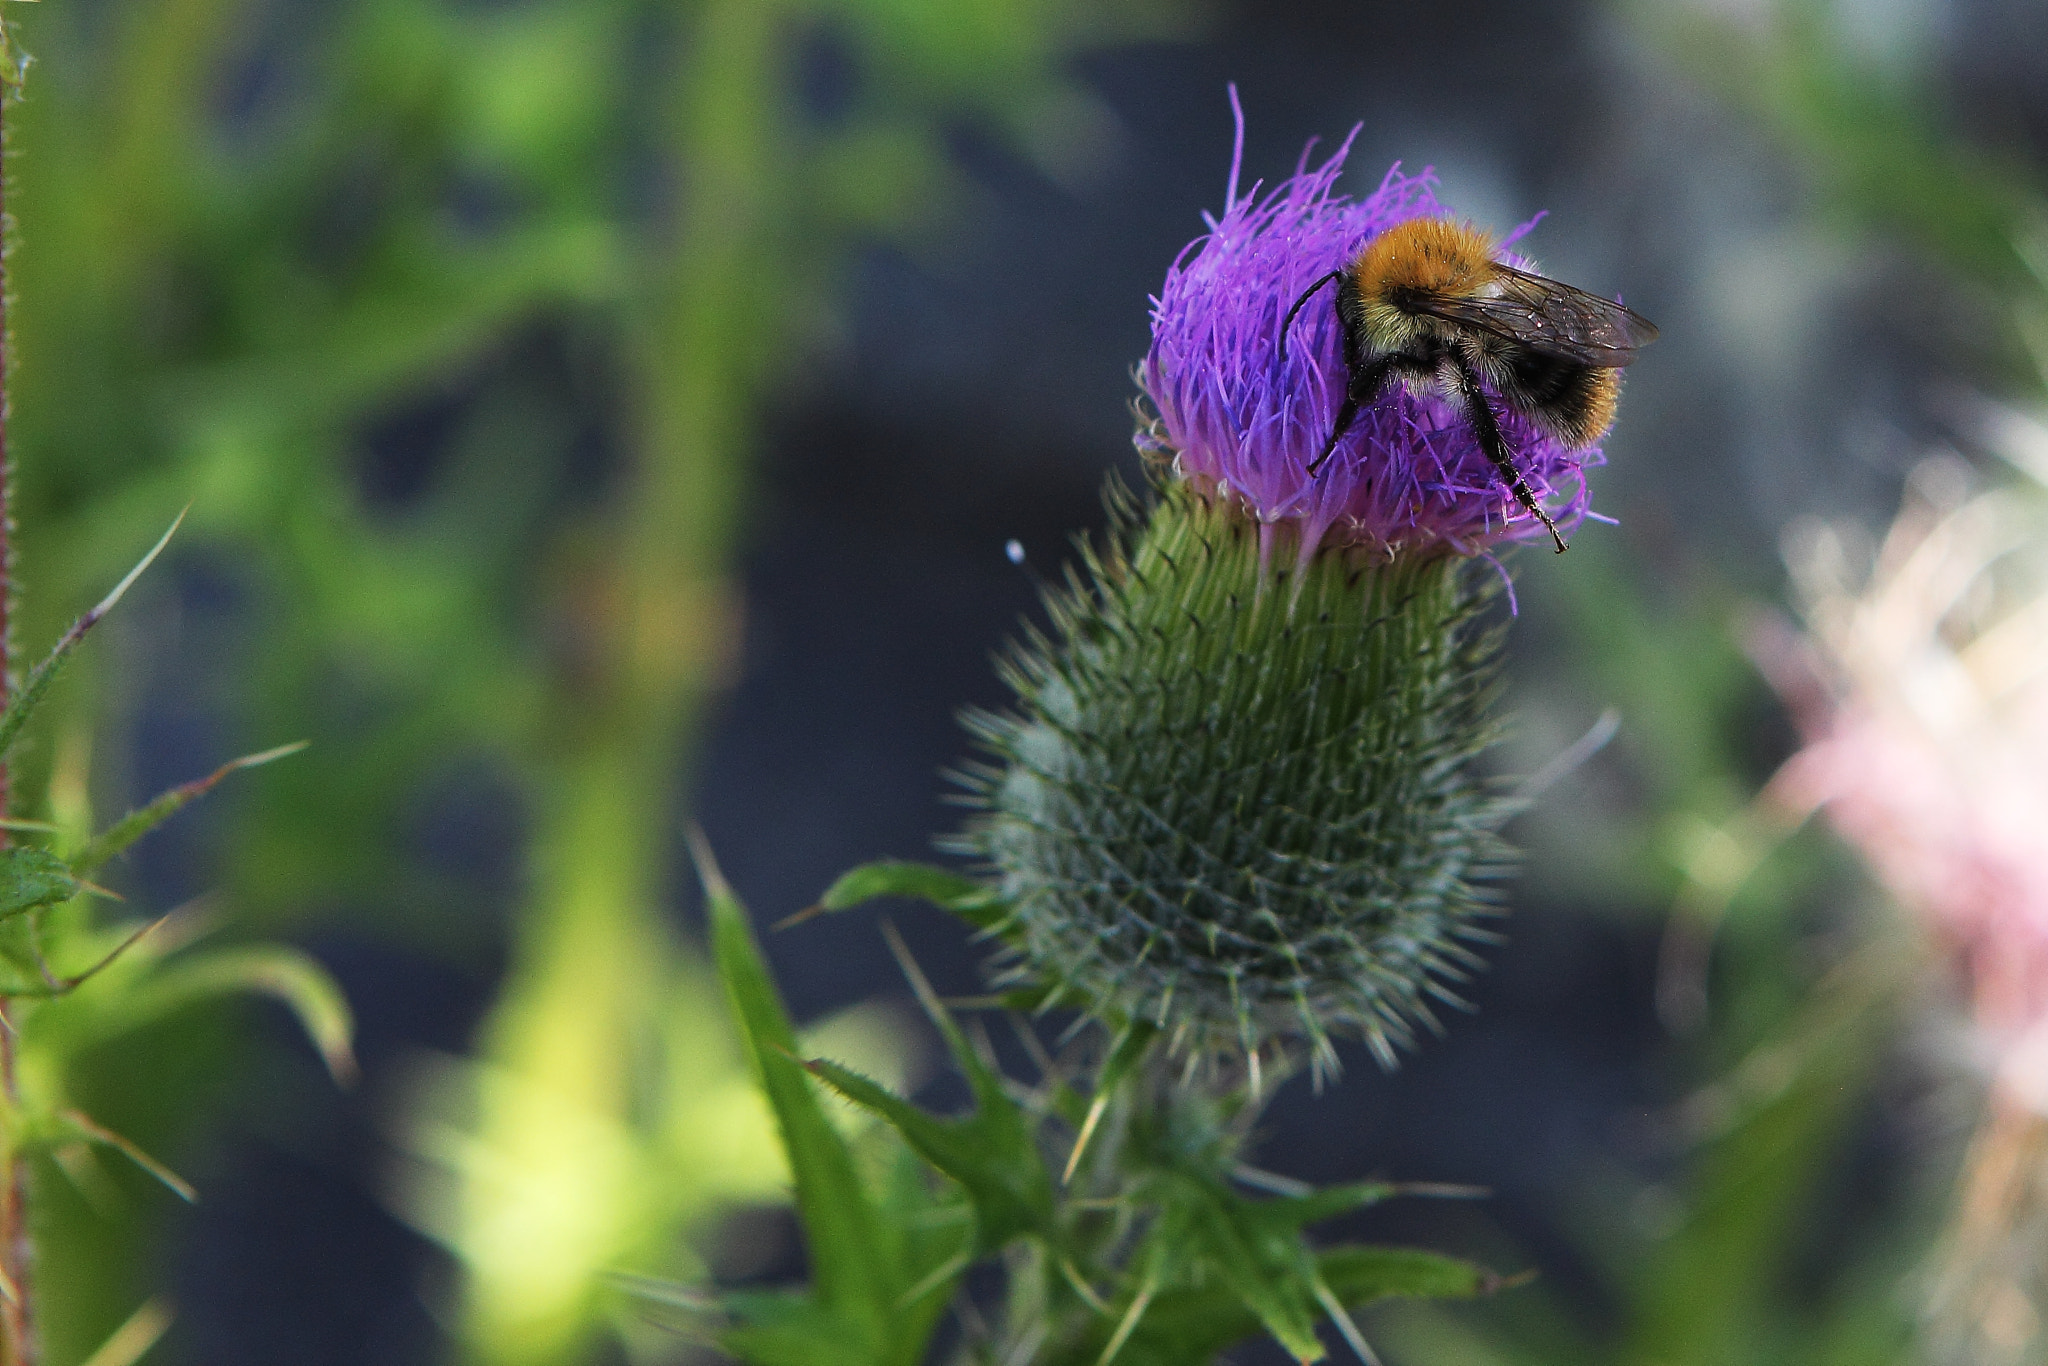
{"x":1242,"y":416}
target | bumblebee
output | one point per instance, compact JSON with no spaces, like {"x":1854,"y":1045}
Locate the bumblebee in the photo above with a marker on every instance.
{"x":1425,"y":302}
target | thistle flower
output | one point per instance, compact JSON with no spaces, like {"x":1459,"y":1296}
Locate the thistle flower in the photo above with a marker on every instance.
{"x":1928,"y":748}
{"x":1241,"y":415}
{"x":1237,"y":796}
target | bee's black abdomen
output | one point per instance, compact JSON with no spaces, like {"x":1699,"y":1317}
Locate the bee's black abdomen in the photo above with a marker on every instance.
{"x":1572,"y":400}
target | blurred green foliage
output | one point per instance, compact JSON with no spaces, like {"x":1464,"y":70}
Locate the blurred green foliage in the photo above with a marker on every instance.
{"x":1725,"y":1244}
{"x":594,"y":239}
{"x":73,"y":978}
{"x":1750,"y":1250}
{"x":599,"y":235}
{"x":1144,"y":1250}
{"x":1878,"y":139}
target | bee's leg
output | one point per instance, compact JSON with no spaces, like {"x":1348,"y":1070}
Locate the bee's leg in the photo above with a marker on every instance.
{"x":1364,"y":387}
{"x":1487,"y":428}
{"x":1345,"y":415}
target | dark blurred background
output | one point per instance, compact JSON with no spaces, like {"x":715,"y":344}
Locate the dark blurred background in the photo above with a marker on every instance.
{"x":493,"y":340}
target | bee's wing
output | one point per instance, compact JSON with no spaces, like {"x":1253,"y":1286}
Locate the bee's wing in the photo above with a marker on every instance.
{"x":1552,"y":318}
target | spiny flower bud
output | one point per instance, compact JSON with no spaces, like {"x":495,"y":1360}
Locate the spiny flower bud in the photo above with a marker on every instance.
{"x":1237,"y":796}
{"x":1239,"y":803}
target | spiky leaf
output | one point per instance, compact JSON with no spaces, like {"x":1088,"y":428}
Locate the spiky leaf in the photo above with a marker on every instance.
{"x":991,"y":1153}
{"x":288,"y":975}
{"x":1194,"y":1325}
{"x":848,"y":1266}
{"x":970,"y":900}
{"x":25,"y":700}
{"x":32,"y":877}
{"x":881,"y":1268}
{"x":1233,"y":1265}
{"x":139,"y":822}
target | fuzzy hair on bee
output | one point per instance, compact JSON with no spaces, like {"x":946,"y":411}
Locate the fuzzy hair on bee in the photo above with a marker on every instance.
{"x":1427,"y":303}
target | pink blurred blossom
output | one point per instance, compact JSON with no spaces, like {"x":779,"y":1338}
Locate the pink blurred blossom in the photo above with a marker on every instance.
{"x":1927,"y":737}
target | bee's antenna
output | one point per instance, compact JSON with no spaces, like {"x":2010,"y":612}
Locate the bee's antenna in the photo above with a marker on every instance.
{"x":1333,"y":275}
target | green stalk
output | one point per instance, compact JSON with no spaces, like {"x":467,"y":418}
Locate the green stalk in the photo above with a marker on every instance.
{"x":582,"y":989}
{"x":19,"y":1344}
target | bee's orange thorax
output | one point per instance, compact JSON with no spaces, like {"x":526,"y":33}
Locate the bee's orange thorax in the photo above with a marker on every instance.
{"x":1439,"y":255}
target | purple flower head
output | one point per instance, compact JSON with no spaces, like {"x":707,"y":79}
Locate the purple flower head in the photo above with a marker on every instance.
{"x":1242,"y":418}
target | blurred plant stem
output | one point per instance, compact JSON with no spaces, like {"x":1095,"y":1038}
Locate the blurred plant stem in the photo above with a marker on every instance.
{"x":19,"y":1345}
{"x":580,"y":1006}
{"x":720,"y":306}
{"x":1989,"y":1274}
{"x":52,"y":941}
{"x":365,"y":280}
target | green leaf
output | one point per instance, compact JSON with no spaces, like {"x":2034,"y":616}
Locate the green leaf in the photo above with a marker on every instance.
{"x":140,"y":822}
{"x":1259,"y":1254}
{"x":1195,"y":1324}
{"x":1296,"y":1212}
{"x":133,"y":1339}
{"x":32,"y":877}
{"x":783,"y":1329}
{"x":1715,"y":1293}
{"x":271,"y":969}
{"x":1000,"y":1164}
{"x":990,"y":1153}
{"x":287,"y":974}
{"x":850,"y":1264}
{"x":791,"y":1328}
{"x":21,"y":946}
{"x":884,"y":1262}
{"x":1129,"y":1050}
{"x":1211,"y":1234}
{"x":73,"y":1126}
{"x":24,"y":702}
{"x":964,"y":897}
{"x":1358,"y":1274}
